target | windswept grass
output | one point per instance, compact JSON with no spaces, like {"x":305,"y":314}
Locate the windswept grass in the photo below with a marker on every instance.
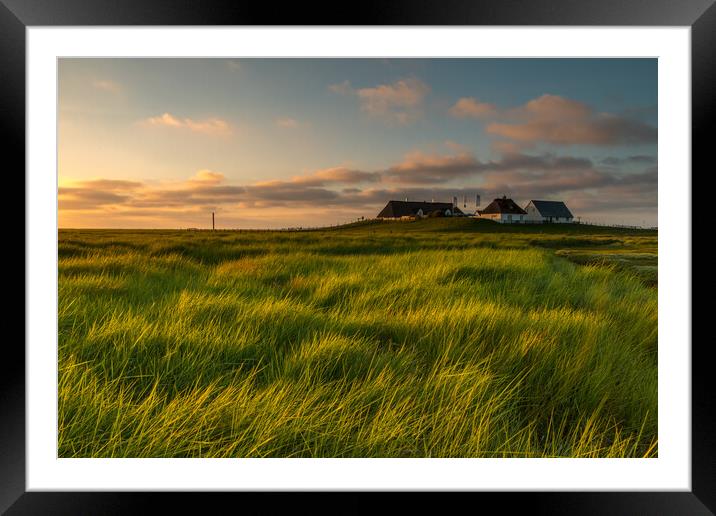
{"x":439,"y":338}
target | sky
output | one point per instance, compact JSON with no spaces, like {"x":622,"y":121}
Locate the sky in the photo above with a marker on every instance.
{"x":271,"y":143}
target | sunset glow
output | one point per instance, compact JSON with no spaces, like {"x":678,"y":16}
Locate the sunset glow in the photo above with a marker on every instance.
{"x":270,"y":143}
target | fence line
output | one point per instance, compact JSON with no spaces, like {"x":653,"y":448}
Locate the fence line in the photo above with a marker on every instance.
{"x":623,"y":226}
{"x":367,"y":222}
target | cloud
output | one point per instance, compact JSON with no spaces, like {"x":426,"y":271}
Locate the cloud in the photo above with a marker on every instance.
{"x":207,"y":177}
{"x":378,"y":197}
{"x":557,"y":120}
{"x":287,"y":123}
{"x":107,"y":85}
{"x":287,"y":191}
{"x":536,"y":184}
{"x":646,"y":179}
{"x":325,"y":177}
{"x":208,"y":189}
{"x":547,"y":161}
{"x":82,"y":198}
{"x":419,"y":176}
{"x":400,"y":102}
{"x":629,"y":160}
{"x":521,"y":176}
{"x":343,"y":88}
{"x":468,"y":107}
{"x":336,"y":175}
{"x":617,"y":190}
{"x":505,"y":147}
{"x":211,"y":126}
{"x":315,"y":187}
{"x":627,"y":198}
{"x":420,"y":168}
{"x":110,"y":185}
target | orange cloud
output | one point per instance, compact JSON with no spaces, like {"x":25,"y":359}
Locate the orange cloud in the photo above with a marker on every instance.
{"x":211,"y":126}
{"x":400,"y":102}
{"x":337,"y":175}
{"x":207,"y":189}
{"x":420,"y":168}
{"x":419,"y":176}
{"x":508,"y":147}
{"x":207,"y":177}
{"x":112,"y":185}
{"x":469,"y":107}
{"x":83,"y":198}
{"x":557,"y":120}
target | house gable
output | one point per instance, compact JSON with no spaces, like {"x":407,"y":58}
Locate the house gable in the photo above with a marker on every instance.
{"x":504,"y":205}
{"x":552,"y":209}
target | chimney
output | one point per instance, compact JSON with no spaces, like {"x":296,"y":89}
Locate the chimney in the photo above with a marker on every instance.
{"x":477,"y":200}
{"x":464,"y":200}
{"x":454,"y":202}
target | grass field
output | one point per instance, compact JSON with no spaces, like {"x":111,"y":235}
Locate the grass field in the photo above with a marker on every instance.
{"x":435,"y":338}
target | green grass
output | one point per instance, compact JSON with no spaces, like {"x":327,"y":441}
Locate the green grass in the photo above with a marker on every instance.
{"x":436,"y":338}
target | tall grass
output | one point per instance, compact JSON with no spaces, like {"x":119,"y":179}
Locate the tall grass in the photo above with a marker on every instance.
{"x":393,"y":340}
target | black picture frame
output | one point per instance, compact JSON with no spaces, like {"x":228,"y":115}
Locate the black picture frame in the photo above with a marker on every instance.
{"x":17,"y":15}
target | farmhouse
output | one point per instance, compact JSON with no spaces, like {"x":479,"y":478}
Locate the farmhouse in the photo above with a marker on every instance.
{"x":548,"y":211}
{"x":504,"y":211}
{"x":409,"y":209}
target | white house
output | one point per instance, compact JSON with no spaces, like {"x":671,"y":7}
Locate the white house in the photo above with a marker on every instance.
{"x":548,"y":211}
{"x":504,"y":211}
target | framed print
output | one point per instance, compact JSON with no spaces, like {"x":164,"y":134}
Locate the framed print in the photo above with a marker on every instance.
{"x":422,"y":249}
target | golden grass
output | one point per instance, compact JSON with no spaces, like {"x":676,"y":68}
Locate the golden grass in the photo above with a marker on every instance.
{"x":396,"y":340}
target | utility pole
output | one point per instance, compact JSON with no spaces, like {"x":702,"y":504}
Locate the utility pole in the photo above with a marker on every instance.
{"x":213,"y":227}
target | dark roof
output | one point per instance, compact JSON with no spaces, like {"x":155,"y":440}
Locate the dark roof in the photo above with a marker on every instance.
{"x":397,"y":209}
{"x":552,"y":209}
{"x":503,"y":205}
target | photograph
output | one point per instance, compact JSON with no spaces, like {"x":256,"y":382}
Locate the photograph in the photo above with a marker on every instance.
{"x":347,"y":257}
{"x":300,"y":256}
